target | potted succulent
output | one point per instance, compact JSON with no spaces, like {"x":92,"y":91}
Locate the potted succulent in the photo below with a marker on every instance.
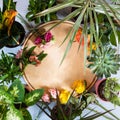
{"x":108,"y":89}
{"x":14,"y":101}
{"x":12,"y":32}
{"x":104,"y":61}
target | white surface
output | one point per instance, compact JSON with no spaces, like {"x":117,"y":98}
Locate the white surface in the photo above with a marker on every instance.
{"x":22,"y":9}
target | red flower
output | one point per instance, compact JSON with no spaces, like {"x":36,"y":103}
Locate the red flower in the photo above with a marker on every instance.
{"x":48,"y":36}
{"x":38,"y":40}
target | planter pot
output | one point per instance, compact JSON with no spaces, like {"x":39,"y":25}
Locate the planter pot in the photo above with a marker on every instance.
{"x":58,"y":116}
{"x":18,"y":34}
{"x":99,"y":89}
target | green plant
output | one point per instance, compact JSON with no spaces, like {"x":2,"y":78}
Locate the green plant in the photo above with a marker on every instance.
{"x":104,"y":61}
{"x":11,"y":32}
{"x":27,"y":56}
{"x":112,"y":90}
{"x":36,"y":6}
{"x":87,"y":12}
{"x":75,"y":108}
{"x":13,"y":65}
{"x":9,"y":70}
{"x":14,"y":101}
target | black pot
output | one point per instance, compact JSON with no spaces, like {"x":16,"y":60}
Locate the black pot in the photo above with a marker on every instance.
{"x":58,"y":116}
{"x":17,"y":35}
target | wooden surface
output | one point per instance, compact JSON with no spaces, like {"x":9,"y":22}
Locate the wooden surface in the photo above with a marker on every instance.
{"x":50,"y":74}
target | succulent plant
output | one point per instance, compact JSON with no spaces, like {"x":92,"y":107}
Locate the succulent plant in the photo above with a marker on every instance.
{"x":104,"y":61}
{"x":111,"y":90}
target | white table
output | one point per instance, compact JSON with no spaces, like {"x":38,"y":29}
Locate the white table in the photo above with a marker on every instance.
{"x":22,"y":9}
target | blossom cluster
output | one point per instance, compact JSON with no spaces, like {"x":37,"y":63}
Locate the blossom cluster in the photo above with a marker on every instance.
{"x":78,"y":86}
{"x":44,"y":40}
{"x":27,"y":56}
{"x":79,"y":37}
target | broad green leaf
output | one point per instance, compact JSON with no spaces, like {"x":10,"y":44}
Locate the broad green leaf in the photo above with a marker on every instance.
{"x":13,"y":114}
{"x":33,"y":97}
{"x":41,"y":56}
{"x":26,"y":114}
{"x":5,"y":97}
{"x":3,"y":87}
{"x":17,"y":90}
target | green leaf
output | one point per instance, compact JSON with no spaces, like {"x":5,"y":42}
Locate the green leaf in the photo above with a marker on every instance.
{"x":29,"y":52}
{"x":33,"y":97}
{"x":26,"y":114}
{"x":17,"y":90}
{"x":5,"y":97}
{"x":3,"y":87}
{"x":41,"y":56}
{"x":13,"y":114}
{"x":113,"y":39}
{"x":96,"y":115}
{"x":3,"y":77}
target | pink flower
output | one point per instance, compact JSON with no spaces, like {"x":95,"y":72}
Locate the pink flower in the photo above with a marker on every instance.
{"x":46,"y":98}
{"x":19,"y":54}
{"x":53,"y":92}
{"x":48,"y":36}
{"x":34,"y":59}
{"x":38,"y":40}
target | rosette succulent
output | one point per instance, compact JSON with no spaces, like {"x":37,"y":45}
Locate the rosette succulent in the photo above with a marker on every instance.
{"x":104,"y":61}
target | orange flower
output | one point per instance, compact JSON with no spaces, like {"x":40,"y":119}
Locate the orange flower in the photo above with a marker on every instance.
{"x":79,"y":86}
{"x":8,"y":18}
{"x":79,"y":35}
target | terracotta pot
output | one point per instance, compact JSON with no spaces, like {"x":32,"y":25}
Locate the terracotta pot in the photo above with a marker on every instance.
{"x":99,"y":88}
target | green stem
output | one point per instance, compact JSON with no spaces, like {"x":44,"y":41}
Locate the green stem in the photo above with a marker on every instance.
{"x":9,"y":2}
{"x":55,"y":8}
{"x":44,"y":111}
{"x":109,"y":112}
{"x":97,"y":112}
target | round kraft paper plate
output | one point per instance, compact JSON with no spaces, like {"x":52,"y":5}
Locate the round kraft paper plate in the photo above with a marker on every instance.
{"x":50,"y":74}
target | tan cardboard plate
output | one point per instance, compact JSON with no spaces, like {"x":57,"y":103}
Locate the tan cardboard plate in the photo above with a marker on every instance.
{"x":50,"y":74}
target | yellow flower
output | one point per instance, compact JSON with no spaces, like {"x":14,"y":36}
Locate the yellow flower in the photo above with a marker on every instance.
{"x":8,"y":18}
{"x":64,"y":96}
{"x":93,"y":47}
{"x":79,"y":86}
